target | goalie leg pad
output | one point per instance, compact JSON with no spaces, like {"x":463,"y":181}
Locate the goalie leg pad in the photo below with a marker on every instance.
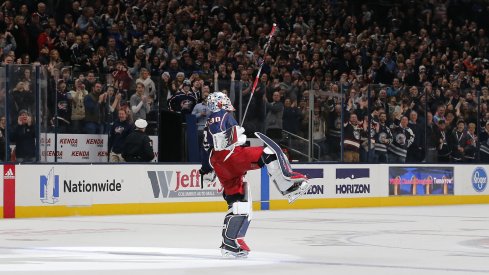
{"x":293,"y":187}
{"x":233,"y":232}
{"x":276,"y":176}
{"x":236,"y":224}
{"x":284,"y":184}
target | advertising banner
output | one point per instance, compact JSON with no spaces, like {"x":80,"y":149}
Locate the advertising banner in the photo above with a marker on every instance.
{"x":9,"y":174}
{"x":426,"y":180}
{"x":85,"y":185}
{"x":340,"y":181}
{"x":471,"y":179}
{"x":80,"y":148}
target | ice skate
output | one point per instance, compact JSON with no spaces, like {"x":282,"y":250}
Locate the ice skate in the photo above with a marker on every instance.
{"x":299,"y":187}
{"x":297,"y":190}
{"x":230,"y":252}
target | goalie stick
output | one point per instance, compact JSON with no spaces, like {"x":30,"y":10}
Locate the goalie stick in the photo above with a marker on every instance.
{"x":257,"y":78}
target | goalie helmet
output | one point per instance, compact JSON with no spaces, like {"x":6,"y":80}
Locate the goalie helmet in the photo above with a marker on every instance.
{"x":219,"y":101}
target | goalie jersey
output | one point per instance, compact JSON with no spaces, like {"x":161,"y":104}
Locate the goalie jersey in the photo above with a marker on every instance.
{"x":218,"y":123}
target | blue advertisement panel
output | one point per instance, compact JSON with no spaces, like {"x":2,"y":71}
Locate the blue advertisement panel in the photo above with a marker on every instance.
{"x":421,"y":181}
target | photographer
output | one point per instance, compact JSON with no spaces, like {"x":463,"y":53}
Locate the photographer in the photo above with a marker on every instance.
{"x":24,"y":137}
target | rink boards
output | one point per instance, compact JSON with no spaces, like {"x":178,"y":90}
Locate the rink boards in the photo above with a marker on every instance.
{"x":45,"y":190}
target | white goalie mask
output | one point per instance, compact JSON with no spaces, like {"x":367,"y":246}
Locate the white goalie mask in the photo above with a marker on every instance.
{"x":219,"y":101}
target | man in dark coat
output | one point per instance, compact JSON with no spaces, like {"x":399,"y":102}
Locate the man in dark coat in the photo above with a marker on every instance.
{"x":138,"y":147}
{"x":24,"y":137}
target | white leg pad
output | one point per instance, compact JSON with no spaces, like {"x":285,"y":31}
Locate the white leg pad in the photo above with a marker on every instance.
{"x":244,"y":207}
{"x":276,"y":176}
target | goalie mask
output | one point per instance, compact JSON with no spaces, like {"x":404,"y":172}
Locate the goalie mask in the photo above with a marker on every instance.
{"x":219,"y":101}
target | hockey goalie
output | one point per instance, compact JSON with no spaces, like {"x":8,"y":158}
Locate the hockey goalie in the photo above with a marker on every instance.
{"x":227,"y":159}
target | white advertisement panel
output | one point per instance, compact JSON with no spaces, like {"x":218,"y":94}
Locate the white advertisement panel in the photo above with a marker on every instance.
{"x":341,"y":181}
{"x":85,"y":185}
{"x":471,"y":179}
{"x":80,"y":147}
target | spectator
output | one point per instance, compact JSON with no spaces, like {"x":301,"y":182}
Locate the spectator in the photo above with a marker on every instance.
{"x":367,"y":149}
{"x":112,"y":103}
{"x":443,"y":138}
{"x":21,"y":33}
{"x":24,"y":98}
{"x":383,"y":137}
{"x":334,"y":130}
{"x":62,"y":121}
{"x":432,"y":140}
{"x":440,"y":114}
{"x":396,"y":89}
{"x":184,"y":100}
{"x":117,"y":136}
{"x":201,"y":112}
{"x":292,"y":117}
{"x":255,"y":117}
{"x":352,"y":140}
{"x":93,"y":113}
{"x":41,"y":13}
{"x":274,"y":122}
{"x":149,"y":85}
{"x":319,"y":134}
{"x":137,"y":146}
{"x":81,"y":51}
{"x":484,"y":144}
{"x":471,"y":145}
{"x":139,"y":103}
{"x":197,"y":87}
{"x":290,"y":90}
{"x":176,"y":83}
{"x":86,"y":19}
{"x":66,"y":76}
{"x":122,"y":78}
{"x":458,"y":141}
{"x":55,"y":64}
{"x":7,"y":42}
{"x":402,"y":139}
{"x":416,"y":152}
{"x":77,"y":98}
{"x":24,"y":136}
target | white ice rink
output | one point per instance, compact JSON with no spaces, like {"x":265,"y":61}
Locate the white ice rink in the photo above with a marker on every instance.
{"x":395,"y":240}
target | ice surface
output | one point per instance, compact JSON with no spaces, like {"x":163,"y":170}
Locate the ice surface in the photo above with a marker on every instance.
{"x":394,"y":240}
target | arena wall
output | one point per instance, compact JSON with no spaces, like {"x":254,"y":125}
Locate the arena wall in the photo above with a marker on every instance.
{"x":48,"y":190}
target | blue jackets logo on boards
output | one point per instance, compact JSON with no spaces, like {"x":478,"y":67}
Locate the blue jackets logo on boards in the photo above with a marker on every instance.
{"x":479,"y":179}
{"x":49,"y":187}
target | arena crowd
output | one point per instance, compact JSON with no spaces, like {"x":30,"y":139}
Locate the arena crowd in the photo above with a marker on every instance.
{"x":391,"y":81}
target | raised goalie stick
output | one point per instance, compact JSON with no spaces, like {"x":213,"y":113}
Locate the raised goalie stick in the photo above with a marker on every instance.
{"x":257,"y":78}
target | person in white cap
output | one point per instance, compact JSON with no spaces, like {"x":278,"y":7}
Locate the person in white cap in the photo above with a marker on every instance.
{"x":138,"y":146}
